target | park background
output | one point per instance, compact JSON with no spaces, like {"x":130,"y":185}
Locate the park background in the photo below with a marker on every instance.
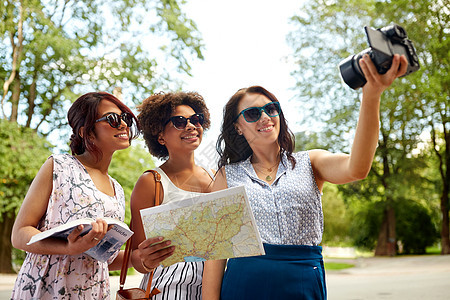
{"x":54,"y":51}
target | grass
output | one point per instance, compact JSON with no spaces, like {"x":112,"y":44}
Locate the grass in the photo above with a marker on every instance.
{"x":433,"y":250}
{"x":337,"y":266}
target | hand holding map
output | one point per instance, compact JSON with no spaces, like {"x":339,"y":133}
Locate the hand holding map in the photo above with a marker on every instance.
{"x":211,"y":226}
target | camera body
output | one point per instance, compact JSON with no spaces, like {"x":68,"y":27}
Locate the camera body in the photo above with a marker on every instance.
{"x":384,"y":43}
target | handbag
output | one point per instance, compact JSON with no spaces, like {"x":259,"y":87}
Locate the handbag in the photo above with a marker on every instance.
{"x":138,"y":293}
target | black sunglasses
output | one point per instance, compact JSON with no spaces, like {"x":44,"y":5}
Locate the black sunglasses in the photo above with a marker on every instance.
{"x":114,"y":120}
{"x":252,"y":114}
{"x":180,"y":122}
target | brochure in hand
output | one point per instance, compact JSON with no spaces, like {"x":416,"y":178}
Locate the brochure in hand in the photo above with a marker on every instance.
{"x":116,"y":236}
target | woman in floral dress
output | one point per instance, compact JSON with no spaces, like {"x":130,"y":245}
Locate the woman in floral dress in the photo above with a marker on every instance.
{"x":70,"y":187}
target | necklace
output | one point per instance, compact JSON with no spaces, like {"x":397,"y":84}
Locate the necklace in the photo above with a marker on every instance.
{"x":270,"y":170}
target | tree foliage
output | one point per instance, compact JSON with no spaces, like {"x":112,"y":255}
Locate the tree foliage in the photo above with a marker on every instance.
{"x":22,"y":152}
{"x":416,"y":229}
{"x":51,"y":51}
{"x":327,"y":32}
{"x":54,"y":50}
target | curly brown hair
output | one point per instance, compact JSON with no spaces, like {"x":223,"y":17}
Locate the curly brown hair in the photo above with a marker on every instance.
{"x":155,"y":111}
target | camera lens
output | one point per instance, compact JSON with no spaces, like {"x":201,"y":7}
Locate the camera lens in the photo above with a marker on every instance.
{"x":395,"y":32}
{"x":401,"y":33}
{"x":384,"y":44}
{"x":351,"y":72}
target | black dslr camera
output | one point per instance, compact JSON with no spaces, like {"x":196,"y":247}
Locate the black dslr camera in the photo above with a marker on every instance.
{"x":384,"y":43}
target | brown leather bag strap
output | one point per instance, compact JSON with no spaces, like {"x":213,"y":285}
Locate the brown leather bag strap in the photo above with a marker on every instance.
{"x":158,"y":186}
{"x":126,"y":257}
{"x":124,"y":269}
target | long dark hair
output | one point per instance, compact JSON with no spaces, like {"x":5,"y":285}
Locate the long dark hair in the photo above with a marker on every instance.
{"x":83,"y":113}
{"x":233,"y":147}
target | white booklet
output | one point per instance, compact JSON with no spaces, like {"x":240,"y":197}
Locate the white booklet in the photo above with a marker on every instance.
{"x":116,"y":236}
{"x":210,"y":226}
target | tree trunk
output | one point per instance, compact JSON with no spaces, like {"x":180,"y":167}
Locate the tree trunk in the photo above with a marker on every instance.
{"x":31,"y":100}
{"x":16,"y":54}
{"x":15,"y":97}
{"x":445,"y":235}
{"x":387,"y":236}
{"x":6,"y":247}
{"x":445,"y":232}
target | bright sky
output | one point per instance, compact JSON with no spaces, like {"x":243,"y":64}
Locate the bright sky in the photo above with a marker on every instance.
{"x":245,"y":45}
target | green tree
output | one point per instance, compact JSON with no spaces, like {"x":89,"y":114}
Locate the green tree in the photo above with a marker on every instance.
{"x":416,"y":218}
{"x":327,"y":32}
{"x":337,"y":217}
{"x":52,"y":51}
{"x":309,"y":140}
{"x":416,"y":229}
{"x":22,"y":152}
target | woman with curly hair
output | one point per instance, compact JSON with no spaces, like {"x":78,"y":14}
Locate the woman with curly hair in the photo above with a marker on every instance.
{"x":172,"y":125}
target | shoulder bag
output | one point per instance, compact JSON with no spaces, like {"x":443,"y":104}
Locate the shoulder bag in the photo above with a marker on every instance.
{"x":137,"y":293}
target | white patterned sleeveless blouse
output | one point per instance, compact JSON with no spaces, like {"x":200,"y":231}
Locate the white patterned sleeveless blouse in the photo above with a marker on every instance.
{"x":288,"y":211}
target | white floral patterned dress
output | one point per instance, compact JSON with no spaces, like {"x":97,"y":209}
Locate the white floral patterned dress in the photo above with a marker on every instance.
{"x":74,"y":196}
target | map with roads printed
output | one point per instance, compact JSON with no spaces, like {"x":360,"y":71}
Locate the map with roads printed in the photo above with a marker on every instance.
{"x":211,"y":226}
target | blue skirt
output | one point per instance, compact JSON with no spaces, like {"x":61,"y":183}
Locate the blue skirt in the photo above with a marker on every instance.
{"x":285,"y":272}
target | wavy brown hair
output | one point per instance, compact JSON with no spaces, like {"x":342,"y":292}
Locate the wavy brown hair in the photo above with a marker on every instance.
{"x":155,"y":111}
{"x":233,"y":147}
{"x":84,"y":113}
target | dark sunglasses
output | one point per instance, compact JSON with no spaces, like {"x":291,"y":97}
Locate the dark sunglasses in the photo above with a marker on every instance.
{"x":180,"y":122}
{"x":114,"y":120}
{"x":252,"y":114}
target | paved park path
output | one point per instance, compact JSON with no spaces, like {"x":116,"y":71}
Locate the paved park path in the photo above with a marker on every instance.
{"x":400,"y":278}
{"x":375,"y":278}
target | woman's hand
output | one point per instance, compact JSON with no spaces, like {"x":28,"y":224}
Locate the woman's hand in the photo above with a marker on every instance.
{"x":153,"y":251}
{"x":77,"y":244}
{"x":377,"y":83}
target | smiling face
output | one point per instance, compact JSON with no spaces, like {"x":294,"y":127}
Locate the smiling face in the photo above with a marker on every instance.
{"x":107,"y":138}
{"x":265,"y":131}
{"x":184,"y":140}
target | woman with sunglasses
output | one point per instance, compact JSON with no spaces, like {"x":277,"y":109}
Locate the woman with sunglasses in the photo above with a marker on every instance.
{"x":284,"y":190}
{"x":71,"y":187}
{"x":172,"y":125}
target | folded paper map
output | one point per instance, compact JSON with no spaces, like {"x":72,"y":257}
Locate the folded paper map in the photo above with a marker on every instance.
{"x":211,"y":226}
